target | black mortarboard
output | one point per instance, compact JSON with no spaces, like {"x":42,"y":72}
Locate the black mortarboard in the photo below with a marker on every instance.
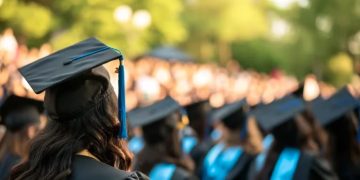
{"x":75,"y":66}
{"x":331,"y":109}
{"x":198,"y":113}
{"x":278,"y":112}
{"x":169,"y":53}
{"x":194,"y":109}
{"x":153,"y":113}
{"x":17,"y":112}
{"x":299,"y":92}
{"x":233,"y":116}
{"x":226,"y":110}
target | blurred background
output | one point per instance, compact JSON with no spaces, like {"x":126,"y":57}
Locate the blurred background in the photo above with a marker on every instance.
{"x":195,"y":49}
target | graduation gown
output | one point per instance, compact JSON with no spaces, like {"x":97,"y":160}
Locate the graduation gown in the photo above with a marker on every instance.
{"x":151,"y":157}
{"x":239,"y":169}
{"x":308,"y":167}
{"x":6,"y":164}
{"x":348,"y":172}
{"x":198,"y":154}
{"x":90,"y":169}
{"x":166,"y":171}
{"x":173,"y":172}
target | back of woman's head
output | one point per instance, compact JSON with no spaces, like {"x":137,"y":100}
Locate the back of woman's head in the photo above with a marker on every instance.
{"x":295,"y":132}
{"x":164,"y":133}
{"x":22,"y":123}
{"x":342,"y":143}
{"x":235,"y":121}
{"x":82,"y":115}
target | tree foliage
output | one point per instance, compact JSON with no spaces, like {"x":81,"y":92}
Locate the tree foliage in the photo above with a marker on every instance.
{"x":212,"y":30}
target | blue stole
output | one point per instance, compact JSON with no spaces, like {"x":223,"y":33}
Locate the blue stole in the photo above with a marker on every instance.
{"x":136,"y":144}
{"x":260,"y":159}
{"x":188,"y":143}
{"x":286,"y":164}
{"x":215,"y":135}
{"x":220,"y":161}
{"x":163,"y":171}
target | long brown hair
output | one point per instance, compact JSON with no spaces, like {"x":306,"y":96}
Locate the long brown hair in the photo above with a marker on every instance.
{"x":295,"y":133}
{"x":16,"y":143}
{"x":52,"y":151}
{"x":162,"y":145}
{"x":342,"y":144}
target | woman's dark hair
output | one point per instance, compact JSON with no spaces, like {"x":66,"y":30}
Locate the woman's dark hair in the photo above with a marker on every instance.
{"x":236,"y":120}
{"x":162,"y":145}
{"x":198,"y":115}
{"x":16,"y":143}
{"x":236,"y":124}
{"x":293,"y":133}
{"x":53,"y":150}
{"x":342,"y":144}
{"x":318,"y":134}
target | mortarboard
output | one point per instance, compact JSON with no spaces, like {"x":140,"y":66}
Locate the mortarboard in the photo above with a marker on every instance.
{"x":72,"y":66}
{"x":329,"y":110}
{"x":198,"y":113}
{"x":278,"y":112}
{"x":17,"y":112}
{"x":154,"y":112}
{"x":197,"y":106}
{"x":227,"y":110}
{"x":227,"y":115}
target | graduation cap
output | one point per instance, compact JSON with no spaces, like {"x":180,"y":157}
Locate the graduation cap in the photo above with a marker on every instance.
{"x":17,"y":112}
{"x":299,"y":92}
{"x":329,"y":110}
{"x":227,"y":110}
{"x":233,"y":116}
{"x":198,"y":115}
{"x":153,"y":113}
{"x":169,"y":53}
{"x":76,"y":72}
{"x":278,"y":112}
{"x":193,"y":110}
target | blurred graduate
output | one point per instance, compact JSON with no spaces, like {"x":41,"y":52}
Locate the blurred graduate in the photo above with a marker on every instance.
{"x":21,"y":117}
{"x":231,"y":157}
{"x":162,"y":156}
{"x":339,"y":115}
{"x":84,"y":138}
{"x":195,"y":141}
{"x":292,"y":154}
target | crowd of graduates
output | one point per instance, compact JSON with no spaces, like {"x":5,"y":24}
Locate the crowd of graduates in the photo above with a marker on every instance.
{"x":184,"y":120}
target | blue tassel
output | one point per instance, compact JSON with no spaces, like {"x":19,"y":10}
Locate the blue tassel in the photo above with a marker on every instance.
{"x":121,"y":101}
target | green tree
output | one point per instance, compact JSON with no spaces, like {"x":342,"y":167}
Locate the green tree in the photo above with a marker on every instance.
{"x":320,"y":31}
{"x":67,"y":21}
{"x":215,"y":24}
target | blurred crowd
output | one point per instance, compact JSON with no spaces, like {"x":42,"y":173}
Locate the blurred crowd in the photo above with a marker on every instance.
{"x":186,"y":121}
{"x":149,"y":78}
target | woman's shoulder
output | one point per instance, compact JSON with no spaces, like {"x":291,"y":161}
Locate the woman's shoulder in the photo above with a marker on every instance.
{"x":319,"y":168}
{"x":87,"y":168}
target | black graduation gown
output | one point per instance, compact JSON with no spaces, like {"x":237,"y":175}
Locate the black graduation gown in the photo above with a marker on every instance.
{"x":309,"y":167}
{"x":179,"y":174}
{"x":151,"y":156}
{"x":240,"y":171}
{"x":241,"y":168}
{"x":6,"y":164}
{"x":349,"y":172}
{"x":182,"y":174}
{"x":198,"y":154}
{"x":87,"y":168}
